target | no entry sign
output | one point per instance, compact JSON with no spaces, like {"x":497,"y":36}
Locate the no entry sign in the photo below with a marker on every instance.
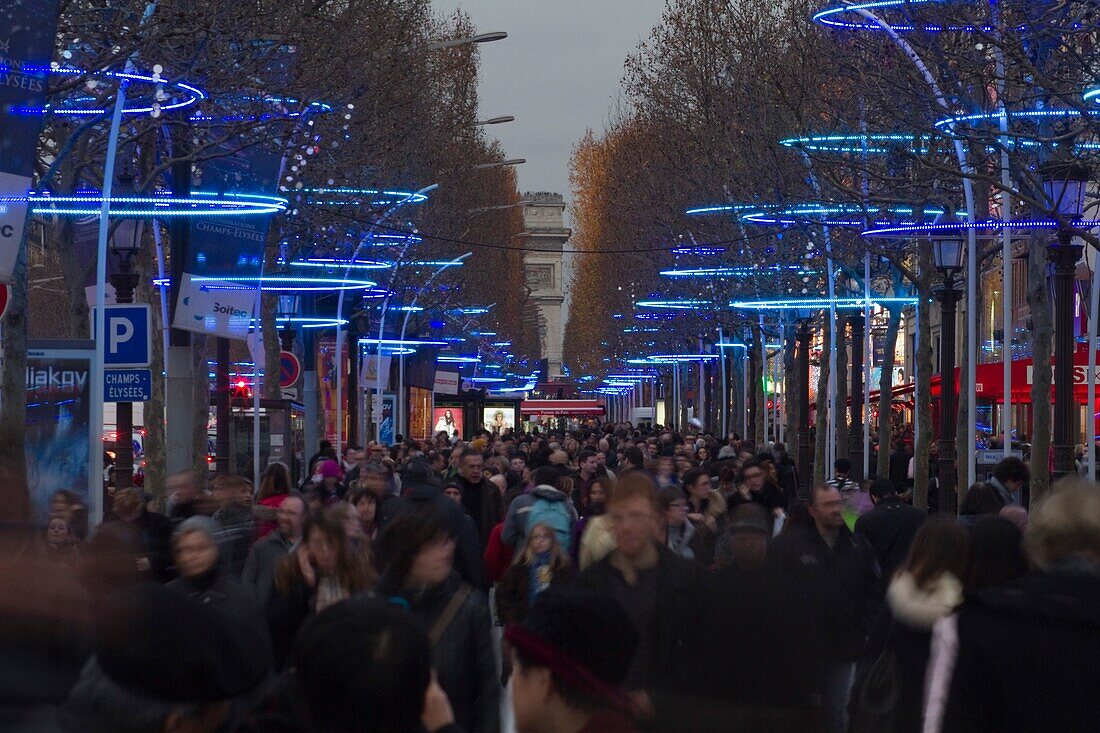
{"x":289,"y":369}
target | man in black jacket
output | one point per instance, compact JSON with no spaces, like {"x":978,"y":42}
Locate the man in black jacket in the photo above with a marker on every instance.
{"x":650,"y":582}
{"x":890,"y":527}
{"x":836,"y":572}
{"x":481,"y":498}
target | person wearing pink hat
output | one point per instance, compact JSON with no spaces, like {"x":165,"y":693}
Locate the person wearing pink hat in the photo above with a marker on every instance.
{"x":332,"y":485}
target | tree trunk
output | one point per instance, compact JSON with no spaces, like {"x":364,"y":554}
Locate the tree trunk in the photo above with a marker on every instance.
{"x":756,"y":422}
{"x":922,"y":449}
{"x":821,"y":419}
{"x":272,"y":346}
{"x":15,"y":503}
{"x":1042,"y":343}
{"x":792,"y":400}
{"x":74,"y":273}
{"x":886,"y":390}
{"x":200,"y":438}
{"x":963,"y":437}
{"x":841,"y":418}
{"x":152,"y":412}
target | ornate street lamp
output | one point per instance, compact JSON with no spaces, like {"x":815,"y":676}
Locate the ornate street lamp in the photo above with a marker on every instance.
{"x":125,"y":243}
{"x":805,"y":317}
{"x":948,"y":253}
{"x":287,"y":308}
{"x":1064,"y":184}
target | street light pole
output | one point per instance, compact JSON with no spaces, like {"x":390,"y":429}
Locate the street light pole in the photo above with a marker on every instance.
{"x":948,"y":296}
{"x":1064,"y":183}
{"x":855,"y":394}
{"x":1064,"y":256}
{"x":804,"y":472}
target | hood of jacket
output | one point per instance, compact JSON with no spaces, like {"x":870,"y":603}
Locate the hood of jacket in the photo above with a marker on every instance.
{"x":918,"y":607}
{"x":544,"y":491}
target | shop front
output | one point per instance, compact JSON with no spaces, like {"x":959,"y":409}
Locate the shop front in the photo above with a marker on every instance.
{"x":560,"y":414}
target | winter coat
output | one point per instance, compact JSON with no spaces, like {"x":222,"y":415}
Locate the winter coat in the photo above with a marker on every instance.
{"x":263,"y":558}
{"x":514,"y":591}
{"x":498,"y":556}
{"x":890,"y":528}
{"x":905,"y":626}
{"x":484,"y":503}
{"x":597,"y":542}
{"x":515,"y":523}
{"x":841,"y":584}
{"x":662,"y":642}
{"x":771,"y":684}
{"x":223,"y":591}
{"x":690,"y":545}
{"x":420,"y":498}
{"x":1027,"y":655}
{"x":463,"y":656}
{"x":150,"y":536}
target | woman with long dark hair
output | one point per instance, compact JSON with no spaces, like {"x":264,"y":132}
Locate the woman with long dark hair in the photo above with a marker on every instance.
{"x":415,"y":555}
{"x":322,"y":571}
{"x":275,"y":486}
{"x":925,"y":589}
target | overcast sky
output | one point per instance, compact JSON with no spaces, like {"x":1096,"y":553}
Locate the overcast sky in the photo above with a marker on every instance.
{"x":558,"y":73}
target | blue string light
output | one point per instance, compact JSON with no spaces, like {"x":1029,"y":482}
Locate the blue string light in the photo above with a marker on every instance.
{"x":947,"y":124}
{"x":833,"y":215}
{"x":838,"y":303}
{"x":333,"y":262}
{"x":990,"y":225}
{"x":361,"y":197}
{"x":306,"y":322}
{"x":836,"y":17}
{"x":880,"y":143}
{"x":722,"y":209}
{"x":184,"y":95}
{"x":282,"y":106}
{"x":405,"y":343}
{"x":738,"y":271}
{"x":674,"y":304}
{"x":199,"y":203}
{"x":699,"y":251}
{"x":283,"y":283}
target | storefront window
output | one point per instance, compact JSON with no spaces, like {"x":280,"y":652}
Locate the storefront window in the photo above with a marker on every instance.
{"x":420,"y":413}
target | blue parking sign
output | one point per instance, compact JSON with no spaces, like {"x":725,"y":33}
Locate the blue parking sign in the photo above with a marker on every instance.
{"x":128,"y":342}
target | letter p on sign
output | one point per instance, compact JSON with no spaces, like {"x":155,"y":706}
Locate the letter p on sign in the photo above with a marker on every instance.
{"x":128,"y":337}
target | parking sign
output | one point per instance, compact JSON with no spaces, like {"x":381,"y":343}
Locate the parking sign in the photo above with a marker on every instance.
{"x":128,"y":343}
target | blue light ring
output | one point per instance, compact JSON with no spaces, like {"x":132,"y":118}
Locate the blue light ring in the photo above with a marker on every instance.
{"x":817,"y":213}
{"x":858,"y":143}
{"x":193,"y":94}
{"x":947,"y":124}
{"x":829,"y":17}
{"x":988,"y":226}
{"x":838,"y":303}
{"x":199,"y":203}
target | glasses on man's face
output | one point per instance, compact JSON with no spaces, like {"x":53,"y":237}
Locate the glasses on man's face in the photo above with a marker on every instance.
{"x":753,"y":475}
{"x":678,"y":506}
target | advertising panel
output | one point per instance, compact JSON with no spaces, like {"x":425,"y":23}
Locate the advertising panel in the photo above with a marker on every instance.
{"x":498,"y":419}
{"x":447,"y":420}
{"x":58,"y":427}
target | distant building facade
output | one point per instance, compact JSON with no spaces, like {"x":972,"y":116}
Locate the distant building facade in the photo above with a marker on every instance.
{"x":545,"y":235}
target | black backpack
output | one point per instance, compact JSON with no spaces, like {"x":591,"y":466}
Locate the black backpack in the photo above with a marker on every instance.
{"x":875,"y":709}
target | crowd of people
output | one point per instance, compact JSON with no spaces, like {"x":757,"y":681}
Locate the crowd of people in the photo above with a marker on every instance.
{"x":640,"y":579}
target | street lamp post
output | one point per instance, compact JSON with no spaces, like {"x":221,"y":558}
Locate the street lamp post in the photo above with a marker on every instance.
{"x":804,"y":316}
{"x":949,"y":261}
{"x":126,"y":241}
{"x":855,"y":394}
{"x":1064,"y":184}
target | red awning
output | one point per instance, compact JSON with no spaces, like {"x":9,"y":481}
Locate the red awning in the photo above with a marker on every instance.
{"x":561,"y":408}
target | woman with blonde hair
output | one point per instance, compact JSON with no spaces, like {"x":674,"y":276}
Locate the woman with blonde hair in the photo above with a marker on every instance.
{"x":542,"y":562}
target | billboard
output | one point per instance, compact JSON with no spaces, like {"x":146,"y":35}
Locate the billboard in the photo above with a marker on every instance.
{"x":58,"y":428}
{"x":498,"y":419}
{"x":447,"y":420}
